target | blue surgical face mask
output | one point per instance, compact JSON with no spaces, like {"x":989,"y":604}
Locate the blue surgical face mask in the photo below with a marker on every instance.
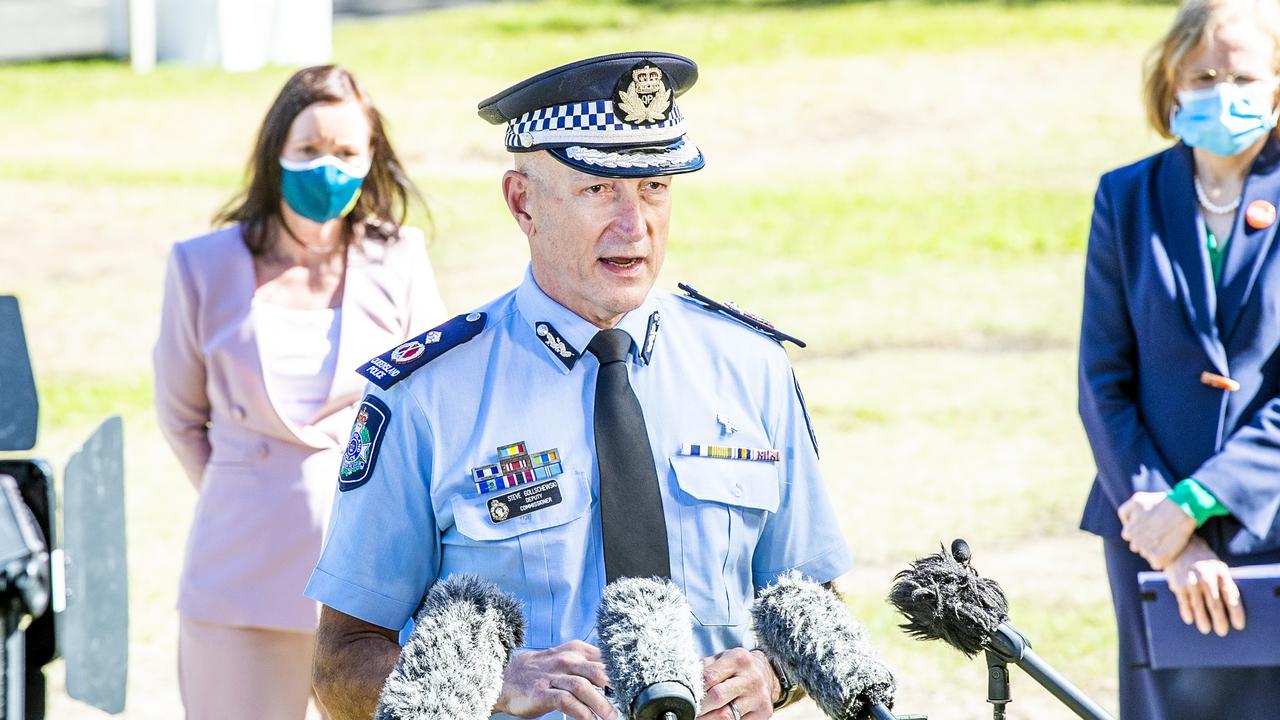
{"x":321,"y":189}
{"x":1225,"y":119}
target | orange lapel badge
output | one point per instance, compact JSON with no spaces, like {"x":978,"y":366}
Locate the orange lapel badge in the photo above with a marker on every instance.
{"x":1219,"y":382}
{"x":1260,"y":214}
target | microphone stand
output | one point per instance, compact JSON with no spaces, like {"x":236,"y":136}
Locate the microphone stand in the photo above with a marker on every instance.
{"x":997,"y":684}
{"x":1007,"y":645}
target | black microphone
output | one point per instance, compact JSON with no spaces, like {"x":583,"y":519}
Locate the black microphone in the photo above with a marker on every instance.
{"x":943,"y":598}
{"x":809,"y":631}
{"x":646,"y":638}
{"x":453,"y":664}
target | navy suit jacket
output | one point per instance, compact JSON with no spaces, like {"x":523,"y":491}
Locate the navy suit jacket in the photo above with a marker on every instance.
{"x":1153,"y":323}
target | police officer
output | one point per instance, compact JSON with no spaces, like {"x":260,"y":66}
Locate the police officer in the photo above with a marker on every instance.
{"x":580,"y":428}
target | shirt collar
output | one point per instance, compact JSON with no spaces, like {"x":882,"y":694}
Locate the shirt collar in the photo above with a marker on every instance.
{"x":564,"y":335}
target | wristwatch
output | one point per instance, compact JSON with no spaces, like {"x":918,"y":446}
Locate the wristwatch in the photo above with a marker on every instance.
{"x":789,"y":691}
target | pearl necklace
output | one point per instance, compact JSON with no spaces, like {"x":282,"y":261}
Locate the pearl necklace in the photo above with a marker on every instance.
{"x":1210,"y":206}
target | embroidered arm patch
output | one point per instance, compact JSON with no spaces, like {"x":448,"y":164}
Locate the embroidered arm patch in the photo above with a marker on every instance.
{"x":361,"y":453}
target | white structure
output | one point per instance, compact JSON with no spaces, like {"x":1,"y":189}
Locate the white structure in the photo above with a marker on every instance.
{"x":34,"y":29}
{"x":235,"y":35}
{"x":240,"y":35}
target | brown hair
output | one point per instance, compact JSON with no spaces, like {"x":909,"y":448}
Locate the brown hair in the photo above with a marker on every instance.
{"x":1195,"y":19}
{"x":384,"y":195}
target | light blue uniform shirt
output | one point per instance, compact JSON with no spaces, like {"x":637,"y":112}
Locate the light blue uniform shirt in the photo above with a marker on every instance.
{"x":732,"y":525}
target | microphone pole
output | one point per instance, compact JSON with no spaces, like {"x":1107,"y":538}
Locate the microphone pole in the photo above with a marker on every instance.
{"x":1007,"y":645}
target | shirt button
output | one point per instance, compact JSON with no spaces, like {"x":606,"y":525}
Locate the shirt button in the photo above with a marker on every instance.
{"x":263,"y":450}
{"x":737,"y":490}
{"x":237,"y":411}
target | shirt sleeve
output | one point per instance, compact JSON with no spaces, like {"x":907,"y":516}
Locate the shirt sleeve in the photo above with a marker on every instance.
{"x":804,"y":534}
{"x":382,"y":550}
{"x":182,"y":405}
{"x":1196,"y":501}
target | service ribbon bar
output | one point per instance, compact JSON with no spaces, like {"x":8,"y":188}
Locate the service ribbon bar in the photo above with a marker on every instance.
{"x":546,"y":457}
{"x":486,"y":472}
{"x":730,"y":453}
{"x":546,"y":472}
{"x":509,"y":480}
{"x":516,"y":466}
{"x":512,"y":450}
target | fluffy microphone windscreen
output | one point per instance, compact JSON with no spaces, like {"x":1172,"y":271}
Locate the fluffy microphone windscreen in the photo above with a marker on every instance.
{"x":454,"y":660}
{"x":646,"y":637}
{"x":943,"y":598}
{"x":809,"y":630}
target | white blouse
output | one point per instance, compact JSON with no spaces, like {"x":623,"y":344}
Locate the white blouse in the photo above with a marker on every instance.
{"x":299,"y":350}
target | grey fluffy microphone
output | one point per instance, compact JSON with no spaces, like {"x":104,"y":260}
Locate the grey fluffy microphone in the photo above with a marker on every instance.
{"x":812,"y":635}
{"x":943,"y":598}
{"x":453,"y":663}
{"x":646,"y":639}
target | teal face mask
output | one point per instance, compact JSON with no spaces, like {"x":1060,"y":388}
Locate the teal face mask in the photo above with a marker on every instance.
{"x":1226,"y":118}
{"x":321,"y":189}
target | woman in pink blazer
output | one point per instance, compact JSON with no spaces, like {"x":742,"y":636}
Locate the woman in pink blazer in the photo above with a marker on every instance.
{"x":263,"y":325}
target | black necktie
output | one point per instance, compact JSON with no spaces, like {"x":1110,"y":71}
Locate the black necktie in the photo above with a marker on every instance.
{"x":635,"y":534}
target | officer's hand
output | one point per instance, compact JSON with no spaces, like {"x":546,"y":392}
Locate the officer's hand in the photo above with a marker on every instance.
{"x":742,"y":677}
{"x":566,"y":678}
{"x":1205,"y":591}
{"x":1156,"y":528}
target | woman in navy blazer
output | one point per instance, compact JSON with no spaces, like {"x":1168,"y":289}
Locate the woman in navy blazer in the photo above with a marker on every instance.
{"x":1180,"y":354}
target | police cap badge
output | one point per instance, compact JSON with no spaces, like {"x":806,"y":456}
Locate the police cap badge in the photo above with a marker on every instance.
{"x":609,"y":116}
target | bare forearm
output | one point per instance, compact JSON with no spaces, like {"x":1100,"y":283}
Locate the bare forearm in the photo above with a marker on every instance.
{"x":351,"y":666}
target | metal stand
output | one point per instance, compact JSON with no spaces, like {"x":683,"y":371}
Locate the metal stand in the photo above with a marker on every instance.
{"x":1007,"y":645}
{"x":15,"y":665}
{"x":997,"y":685}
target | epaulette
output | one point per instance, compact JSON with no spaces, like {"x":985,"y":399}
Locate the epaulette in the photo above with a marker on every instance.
{"x":398,"y":363}
{"x":732,"y":310}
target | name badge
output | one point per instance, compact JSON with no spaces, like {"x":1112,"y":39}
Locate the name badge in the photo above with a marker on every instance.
{"x":524,"y":501}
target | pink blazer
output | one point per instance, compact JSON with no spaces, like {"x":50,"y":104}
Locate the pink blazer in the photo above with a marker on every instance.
{"x":265,"y":483}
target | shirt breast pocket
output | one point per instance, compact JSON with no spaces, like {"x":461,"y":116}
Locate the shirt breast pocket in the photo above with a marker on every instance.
{"x":529,"y":553}
{"x":723,"y":508}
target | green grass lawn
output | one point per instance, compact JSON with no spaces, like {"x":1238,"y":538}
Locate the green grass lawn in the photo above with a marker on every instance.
{"x":905,"y":185}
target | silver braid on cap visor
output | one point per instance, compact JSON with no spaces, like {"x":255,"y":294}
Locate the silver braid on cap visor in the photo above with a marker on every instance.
{"x":603,"y":158}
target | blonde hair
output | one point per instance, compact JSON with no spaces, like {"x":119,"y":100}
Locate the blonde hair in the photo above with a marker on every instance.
{"x":1195,"y":20}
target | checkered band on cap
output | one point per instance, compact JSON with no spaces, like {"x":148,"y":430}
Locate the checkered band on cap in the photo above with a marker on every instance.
{"x":588,"y":123}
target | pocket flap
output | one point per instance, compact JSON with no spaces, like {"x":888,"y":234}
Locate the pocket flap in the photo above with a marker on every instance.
{"x":473,"y":519}
{"x":732,"y":482}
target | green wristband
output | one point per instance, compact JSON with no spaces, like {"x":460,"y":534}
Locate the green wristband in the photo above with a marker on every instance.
{"x":1197,"y":502}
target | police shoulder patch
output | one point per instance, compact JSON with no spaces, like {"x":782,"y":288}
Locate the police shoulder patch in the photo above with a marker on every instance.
{"x":396,"y":364}
{"x":731,"y":310}
{"x":361,"y":453}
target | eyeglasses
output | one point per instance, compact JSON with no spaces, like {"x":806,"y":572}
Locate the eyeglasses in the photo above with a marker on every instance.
{"x":1209,"y":77}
